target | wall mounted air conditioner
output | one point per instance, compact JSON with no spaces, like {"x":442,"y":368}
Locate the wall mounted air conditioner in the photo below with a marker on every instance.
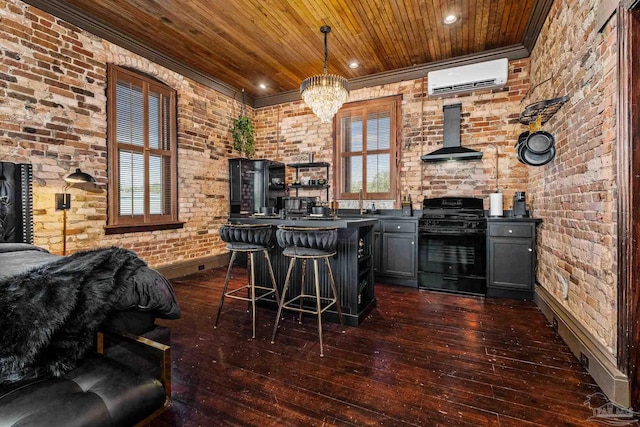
{"x":468,"y":78}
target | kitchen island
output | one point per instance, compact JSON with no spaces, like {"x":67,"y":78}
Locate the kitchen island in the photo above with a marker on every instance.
{"x":352,"y":265}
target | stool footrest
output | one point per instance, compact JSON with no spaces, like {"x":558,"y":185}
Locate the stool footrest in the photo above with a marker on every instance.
{"x":289,"y":304}
{"x":232,"y":294}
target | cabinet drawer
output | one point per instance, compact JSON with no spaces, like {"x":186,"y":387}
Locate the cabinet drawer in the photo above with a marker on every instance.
{"x":510,"y":230}
{"x":399,"y":226}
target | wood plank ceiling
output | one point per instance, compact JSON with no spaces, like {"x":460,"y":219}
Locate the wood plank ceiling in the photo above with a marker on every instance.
{"x":242,"y":43}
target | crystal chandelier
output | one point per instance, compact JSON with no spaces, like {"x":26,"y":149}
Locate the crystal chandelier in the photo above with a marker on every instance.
{"x":325,"y":93}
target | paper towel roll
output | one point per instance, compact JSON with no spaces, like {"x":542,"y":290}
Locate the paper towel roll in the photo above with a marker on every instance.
{"x":495,"y":204}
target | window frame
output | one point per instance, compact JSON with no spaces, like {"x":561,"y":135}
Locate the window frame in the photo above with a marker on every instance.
{"x":393,"y":105}
{"x":117,"y":223}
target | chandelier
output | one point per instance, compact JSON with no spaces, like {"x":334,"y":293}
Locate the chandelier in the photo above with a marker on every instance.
{"x":324,"y":93}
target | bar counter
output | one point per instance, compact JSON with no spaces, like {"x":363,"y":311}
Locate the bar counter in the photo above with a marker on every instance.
{"x":352,"y":265}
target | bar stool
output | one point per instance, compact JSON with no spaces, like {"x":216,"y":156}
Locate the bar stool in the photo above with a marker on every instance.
{"x":308,"y":243}
{"x":249,"y":238}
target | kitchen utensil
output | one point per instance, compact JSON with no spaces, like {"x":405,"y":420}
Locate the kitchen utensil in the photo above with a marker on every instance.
{"x":522,"y":138}
{"x":539,"y":142}
{"x":533,"y":159}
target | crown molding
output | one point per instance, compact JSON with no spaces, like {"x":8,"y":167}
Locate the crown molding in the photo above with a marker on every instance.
{"x":534,"y":26}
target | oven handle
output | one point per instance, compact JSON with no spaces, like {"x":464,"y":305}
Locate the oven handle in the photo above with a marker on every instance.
{"x":451,"y":232}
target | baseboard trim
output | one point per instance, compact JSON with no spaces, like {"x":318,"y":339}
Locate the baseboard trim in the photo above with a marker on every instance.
{"x":184,"y":268}
{"x":602,"y":364}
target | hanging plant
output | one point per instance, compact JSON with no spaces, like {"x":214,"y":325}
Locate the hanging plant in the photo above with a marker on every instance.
{"x":243,"y":133}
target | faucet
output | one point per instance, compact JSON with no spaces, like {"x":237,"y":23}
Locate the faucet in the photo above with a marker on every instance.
{"x":360,"y":200}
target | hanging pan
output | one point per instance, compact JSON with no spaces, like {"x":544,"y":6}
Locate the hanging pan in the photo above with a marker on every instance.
{"x":535,"y":159}
{"x":522,"y":138}
{"x":540,"y":142}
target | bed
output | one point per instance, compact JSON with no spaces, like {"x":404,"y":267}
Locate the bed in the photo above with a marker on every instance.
{"x":78,"y":341}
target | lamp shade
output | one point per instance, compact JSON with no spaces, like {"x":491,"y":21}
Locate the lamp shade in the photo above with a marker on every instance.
{"x":78,"y":177}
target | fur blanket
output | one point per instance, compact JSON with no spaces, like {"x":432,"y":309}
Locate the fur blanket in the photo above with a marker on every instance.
{"x":49,"y":315}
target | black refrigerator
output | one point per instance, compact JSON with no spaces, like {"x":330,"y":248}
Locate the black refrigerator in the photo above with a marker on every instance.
{"x":253,"y":184}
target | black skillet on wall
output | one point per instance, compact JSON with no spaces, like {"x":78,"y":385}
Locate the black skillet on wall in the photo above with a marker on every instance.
{"x":540,"y":142}
{"x":540,"y":151}
{"x":521,"y":140}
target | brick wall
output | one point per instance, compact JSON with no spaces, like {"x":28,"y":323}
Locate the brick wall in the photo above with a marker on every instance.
{"x":488,"y":117}
{"x":53,"y":115}
{"x":575,"y":194}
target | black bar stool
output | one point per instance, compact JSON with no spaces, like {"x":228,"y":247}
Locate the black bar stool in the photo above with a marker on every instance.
{"x":249,"y":238}
{"x":308,"y":243}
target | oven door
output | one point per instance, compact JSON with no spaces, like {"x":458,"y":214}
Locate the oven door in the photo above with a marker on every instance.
{"x":452,"y":261}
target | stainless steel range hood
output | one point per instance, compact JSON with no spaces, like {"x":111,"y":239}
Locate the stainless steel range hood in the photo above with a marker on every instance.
{"x":451,"y":149}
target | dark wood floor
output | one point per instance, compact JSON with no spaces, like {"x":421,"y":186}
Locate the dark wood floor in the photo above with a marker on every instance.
{"x":420,"y":358}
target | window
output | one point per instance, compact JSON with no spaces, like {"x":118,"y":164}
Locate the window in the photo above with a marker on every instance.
{"x":365,"y":147}
{"x":142,"y":153}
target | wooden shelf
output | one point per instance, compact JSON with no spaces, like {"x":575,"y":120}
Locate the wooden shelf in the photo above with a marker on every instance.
{"x":308,"y":165}
{"x":309,"y":186}
{"x":543,"y":109}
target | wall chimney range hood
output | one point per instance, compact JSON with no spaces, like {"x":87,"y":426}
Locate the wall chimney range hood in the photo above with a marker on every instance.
{"x":452,"y":148}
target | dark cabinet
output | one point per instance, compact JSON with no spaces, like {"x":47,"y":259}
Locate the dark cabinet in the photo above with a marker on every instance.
{"x":396,"y":251}
{"x":400,"y":261}
{"x":254,"y":184}
{"x":511,"y":250}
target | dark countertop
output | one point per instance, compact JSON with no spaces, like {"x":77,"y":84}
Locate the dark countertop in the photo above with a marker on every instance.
{"x":338,"y":222}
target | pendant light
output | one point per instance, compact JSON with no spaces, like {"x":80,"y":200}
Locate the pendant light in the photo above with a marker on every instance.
{"x":325,"y":93}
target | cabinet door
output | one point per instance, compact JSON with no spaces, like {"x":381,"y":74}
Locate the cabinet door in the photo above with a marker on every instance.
{"x":377,"y":252}
{"x":235,"y":184}
{"x":511,"y":263}
{"x":399,"y":254}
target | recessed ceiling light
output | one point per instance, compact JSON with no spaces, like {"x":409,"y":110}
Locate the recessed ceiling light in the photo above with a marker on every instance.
{"x":354,"y":64}
{"x":262,"y":86}
{"x":450,"y":19}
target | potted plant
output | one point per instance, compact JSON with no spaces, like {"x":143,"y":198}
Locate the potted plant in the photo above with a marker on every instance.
{"x":243,"y":133}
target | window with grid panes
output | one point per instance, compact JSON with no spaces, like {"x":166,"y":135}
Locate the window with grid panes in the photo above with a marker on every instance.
{"x":142,"y":152}
{"x":366,"y":148}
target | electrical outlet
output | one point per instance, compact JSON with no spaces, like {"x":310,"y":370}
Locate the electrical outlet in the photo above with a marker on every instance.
{"x":554,"y":322}
{"x":584,"y":361}
{"x":201,"y":267}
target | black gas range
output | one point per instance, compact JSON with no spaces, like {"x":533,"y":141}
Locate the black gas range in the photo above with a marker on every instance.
{"x":452,"y":245}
